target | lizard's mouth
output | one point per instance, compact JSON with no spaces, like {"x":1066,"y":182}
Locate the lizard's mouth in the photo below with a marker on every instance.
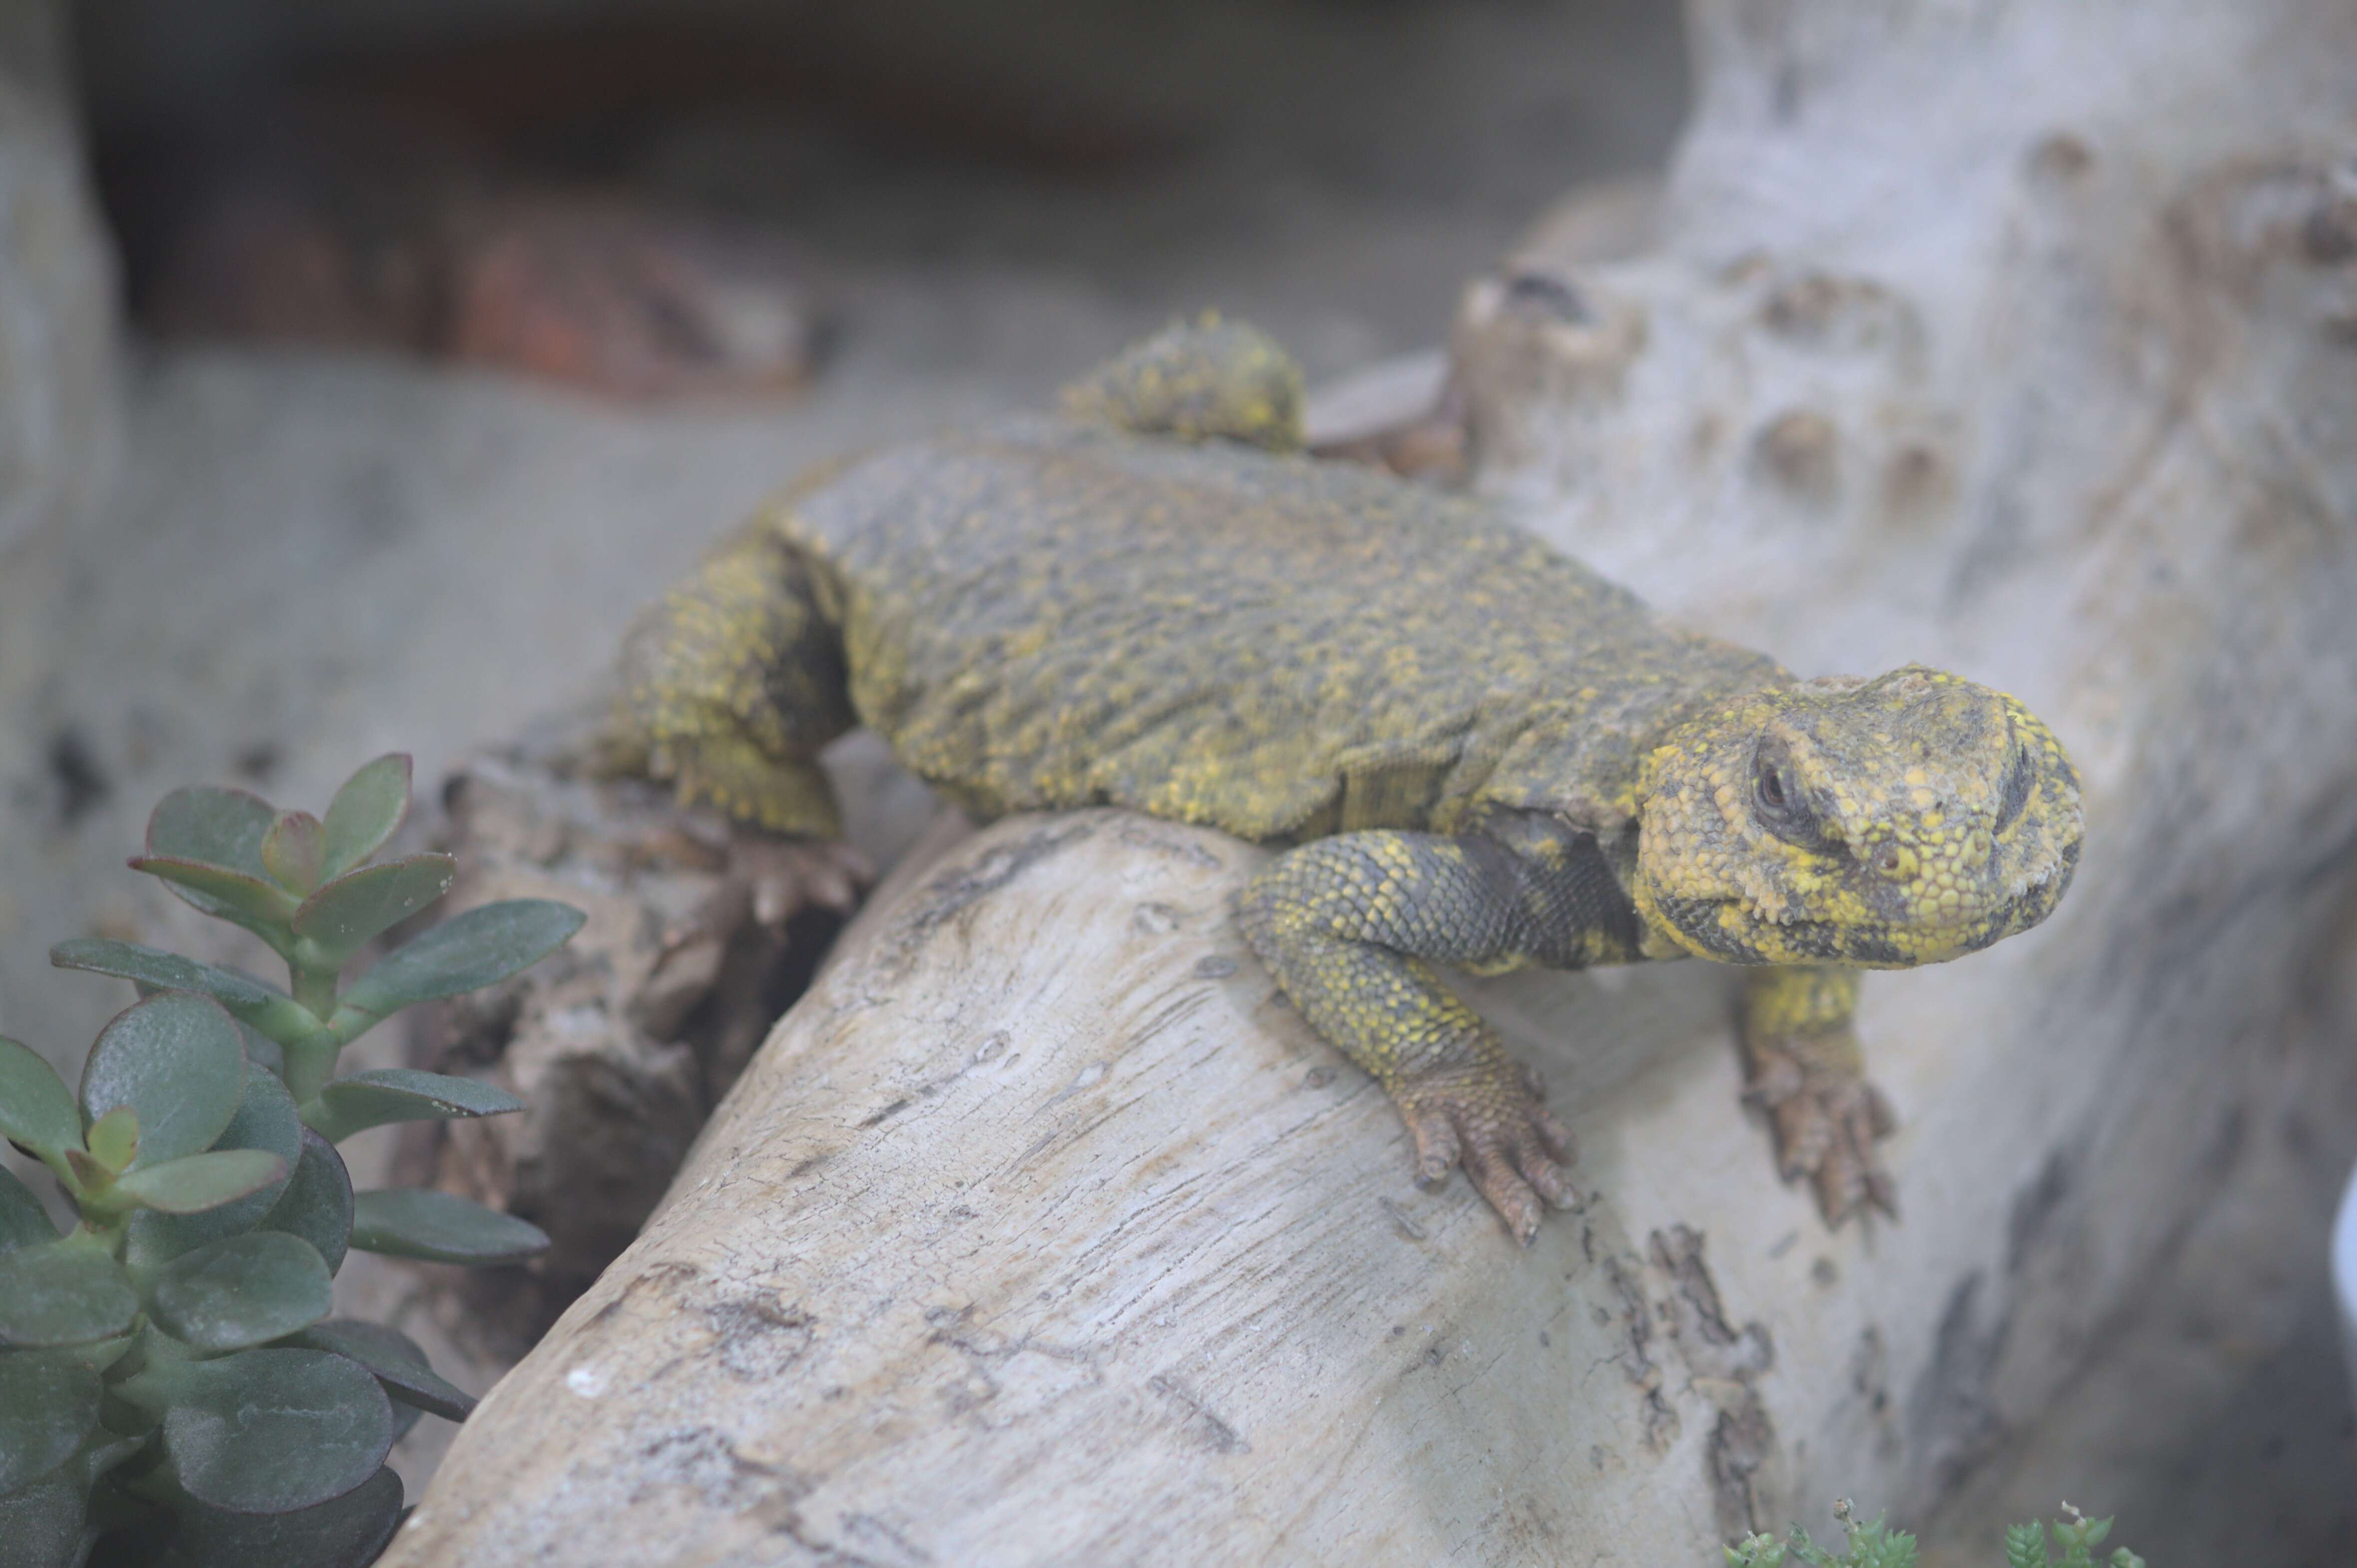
{"x":1730,"y":930}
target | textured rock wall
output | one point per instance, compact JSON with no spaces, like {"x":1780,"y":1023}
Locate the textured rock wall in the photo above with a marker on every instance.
{"x":57,"y":421}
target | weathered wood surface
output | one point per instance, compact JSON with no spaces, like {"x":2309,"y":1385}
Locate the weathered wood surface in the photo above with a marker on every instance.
{"x":1043,"y":1230}
{"x":2014,"y":338}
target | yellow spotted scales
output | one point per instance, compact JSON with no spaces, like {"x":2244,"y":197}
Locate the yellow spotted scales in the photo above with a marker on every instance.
{"x":1481,"y":755}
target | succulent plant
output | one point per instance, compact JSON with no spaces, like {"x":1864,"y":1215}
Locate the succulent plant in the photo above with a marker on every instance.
{"x":1872,"y":1544}
{"x":173,"y":1388}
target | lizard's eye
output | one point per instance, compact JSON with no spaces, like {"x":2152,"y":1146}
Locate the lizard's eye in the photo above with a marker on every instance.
{"x":2016,"y":794}
{"x":1777,"y":801}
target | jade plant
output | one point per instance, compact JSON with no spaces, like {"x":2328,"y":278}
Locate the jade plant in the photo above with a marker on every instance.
{"x":174,"y":1389}
{"x":1874,"y":1545}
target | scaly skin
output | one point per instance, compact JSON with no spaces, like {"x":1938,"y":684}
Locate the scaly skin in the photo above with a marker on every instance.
{"x":1482,"y":755}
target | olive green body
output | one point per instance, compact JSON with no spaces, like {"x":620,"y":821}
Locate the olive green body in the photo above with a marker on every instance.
{"x":1043,"y":614}
{"x":1481,"y":754}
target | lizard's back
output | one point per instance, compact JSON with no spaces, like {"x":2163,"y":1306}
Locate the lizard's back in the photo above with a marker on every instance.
{"x":1044,"y":614}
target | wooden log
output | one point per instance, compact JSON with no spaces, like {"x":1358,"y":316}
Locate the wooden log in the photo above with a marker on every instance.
{"x":2011,"y":338}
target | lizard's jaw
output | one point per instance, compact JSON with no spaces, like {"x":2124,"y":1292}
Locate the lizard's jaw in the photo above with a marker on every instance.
{"x":1735,"y":929}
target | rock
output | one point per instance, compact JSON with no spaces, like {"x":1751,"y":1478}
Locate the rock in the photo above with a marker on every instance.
{"x":58,"y":413}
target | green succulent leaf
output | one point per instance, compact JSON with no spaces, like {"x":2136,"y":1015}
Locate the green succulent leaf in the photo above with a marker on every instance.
{"x":274,"y":1430}
{"x":416,"y":1222}
{"x":466,"y":952}
{"x":318,"y":1203}
{"x":178,"y":1061}
{"x":260,"y":906}
{"x":1876,"y":1546}
{"x":2025,"y":1546}
{"x":396,"y":1360}
{"x":371,"y":1098}
{"x":360,"y":904}
{"x":113,"y":1139}
{"x":62,"y":1293}
{"x":265,"y":1122}
{"x":42,"y":1525}
{"x":217,"y":827}
{"x":23,"y":1221}
{"x":49,"y":1404}
{"x":36,"y":1109}
{"x":295,"y":851}
{"x":367,"y":812}
{"x":247,"y":1290}
{"x":203,"y":1182}
{"x":349,"y":1531}
{"x":250,"y":1001}
{"x":86,"y":1176}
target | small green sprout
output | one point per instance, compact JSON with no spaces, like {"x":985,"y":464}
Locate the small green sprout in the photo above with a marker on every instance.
{"x":1872,"y":1545}
{"x":173,"y":1388}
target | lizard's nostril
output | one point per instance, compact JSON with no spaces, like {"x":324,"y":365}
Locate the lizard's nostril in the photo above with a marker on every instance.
{"x":1891,"y":861}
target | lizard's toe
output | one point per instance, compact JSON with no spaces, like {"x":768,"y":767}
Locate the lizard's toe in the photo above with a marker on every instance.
{"x":1495,"y":1178}
{"x":1437,"y":1149}
{"x":1827,"y":1132}
{"x":1554,"y":1137}
{"x":1492,"y":1122}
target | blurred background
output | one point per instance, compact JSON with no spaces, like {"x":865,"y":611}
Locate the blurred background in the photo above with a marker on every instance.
{"x":409,"y":348}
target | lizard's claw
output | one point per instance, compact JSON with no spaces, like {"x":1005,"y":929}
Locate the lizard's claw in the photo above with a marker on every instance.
{"x":1491,"y":1118}
{"x":1826,"y":1126}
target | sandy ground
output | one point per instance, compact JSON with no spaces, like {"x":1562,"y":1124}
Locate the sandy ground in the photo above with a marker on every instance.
{"x":312,"y":559}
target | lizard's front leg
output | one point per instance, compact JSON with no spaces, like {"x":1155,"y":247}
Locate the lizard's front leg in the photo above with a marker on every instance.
{"x":1802,"y":1063}
{"x":1351,"y":926}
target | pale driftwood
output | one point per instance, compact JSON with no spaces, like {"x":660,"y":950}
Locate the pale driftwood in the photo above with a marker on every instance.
{"x":2012,"y":337}
{"x":1043,"y":1230}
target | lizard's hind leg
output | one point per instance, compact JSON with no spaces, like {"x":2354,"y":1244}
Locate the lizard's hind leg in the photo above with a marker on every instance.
{"x":732,"y":684}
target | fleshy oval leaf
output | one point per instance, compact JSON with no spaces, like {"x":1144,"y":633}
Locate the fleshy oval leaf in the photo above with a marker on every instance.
{"x":203,"y":1182}
{"x":367,"y":812}
{"x":245,"y":1290}
{"x":250,"y":1001}
{"x":349,"y":1531}
{"x":362,"y":904}
{"x":49,"y":1404}
{"x":397,"y":1361}
{"x":36,"y":1109}
{"x":44,"y":1524}
{"x":62,"y":1293}
{"x":23,"y":1221}
{"x":440,"y":1228}
{"x":212,"y":826}
{"x":295,"y":851}
{"x":265,"y":1121}
{"x":381,"y":1095}
{"x":272,"y":1430}
{"x":260,"y":906}
{"x":178,"y":1061}
{"x":466,"y":952}
{"x":318,"y":1203}
{"x":113,"y":1139}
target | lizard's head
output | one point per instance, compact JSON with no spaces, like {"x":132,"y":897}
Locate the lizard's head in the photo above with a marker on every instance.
{"x":1881,"y":823}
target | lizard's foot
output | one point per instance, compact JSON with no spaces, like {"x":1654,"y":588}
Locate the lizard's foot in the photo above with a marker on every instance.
{"x":1491,"y":1118}
{"x":1827,"y":1123}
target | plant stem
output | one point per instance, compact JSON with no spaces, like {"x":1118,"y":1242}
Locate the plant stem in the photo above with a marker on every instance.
{"x":309,"y":1063}
{"x":315,"y":988}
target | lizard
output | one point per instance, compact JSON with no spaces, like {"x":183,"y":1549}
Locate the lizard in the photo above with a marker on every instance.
{"x":1470,"y":751}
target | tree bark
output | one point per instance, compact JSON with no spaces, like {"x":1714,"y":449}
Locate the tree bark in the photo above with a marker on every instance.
{"x":2012,"y":338}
